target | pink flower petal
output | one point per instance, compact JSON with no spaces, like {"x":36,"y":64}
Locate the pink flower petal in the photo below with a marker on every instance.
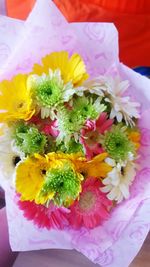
{"x":51,"y":217}
{"x":93,"y":213}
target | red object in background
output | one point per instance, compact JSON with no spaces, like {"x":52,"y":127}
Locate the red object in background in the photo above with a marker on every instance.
{"x":131,"y":17}
{"x":19,"y":8}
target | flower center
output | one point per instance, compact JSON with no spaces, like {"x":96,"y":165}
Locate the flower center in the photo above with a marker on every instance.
{"x":122,"y":171}
{"x":20,"y":105}
{"x":43,"y":172}
{"x":87,"y":201}
{"x":49,"y":92}
{"x":16,"y":160}
{"x":93,"y":137}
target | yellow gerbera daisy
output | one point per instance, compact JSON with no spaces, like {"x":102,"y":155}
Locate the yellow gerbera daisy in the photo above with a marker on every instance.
{"x":135,"y":137}
{"x":72,"y":69}
{"x":97,"y":167}
{"x":39,"y":178}
{"x":76,"y":158}
{"x":30,"y":176}
{"x":15,"y":99}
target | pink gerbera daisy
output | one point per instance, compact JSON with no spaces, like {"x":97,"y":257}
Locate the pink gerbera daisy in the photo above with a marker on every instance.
{"x":46,"y":125}
{"x":91,"y":135}
{"x":50,"y":128}
{"x":50,"y":218}
{"x":92,"y":208}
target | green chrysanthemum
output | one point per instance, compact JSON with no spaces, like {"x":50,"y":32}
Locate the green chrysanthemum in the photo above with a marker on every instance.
{"x":68,"y":125}
{"x":64,"y":182}
{"x":86,"y":108}
{"x":117,"y":144}
{"x":28,"y":139}
{"x":72,"y":147}
{"x":50,"y":91}
{"x":71,"y":121}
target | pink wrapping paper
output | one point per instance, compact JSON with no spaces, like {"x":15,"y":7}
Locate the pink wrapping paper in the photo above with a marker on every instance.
{"x":117,"y":241}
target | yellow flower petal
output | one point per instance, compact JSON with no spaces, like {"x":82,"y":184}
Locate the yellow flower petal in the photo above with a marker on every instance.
{"x":99,"y":158}
{"x":15,"y":100}
{"x":135,"y":137}
{"x":42,"y":199}
{"x":1,"y":129}
{"x":72,"y":69}
{"x":30,"y":175}
{"x":97,"y":167}
{"x":30,"y":178}
{"x":77,"y":159}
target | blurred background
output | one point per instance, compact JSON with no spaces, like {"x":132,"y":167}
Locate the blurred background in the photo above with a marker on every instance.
{"x":131,"y":18}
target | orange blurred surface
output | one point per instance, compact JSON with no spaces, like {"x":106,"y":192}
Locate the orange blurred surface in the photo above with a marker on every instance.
{"x":126,"y":6}
{"x":19,"y":8}
{"x":132,"y":19}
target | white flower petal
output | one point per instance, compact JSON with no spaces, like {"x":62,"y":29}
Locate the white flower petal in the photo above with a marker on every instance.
{"x":119,"y":117}
{"x":106,"y":188}
{"x":110,"y":162}
{"x":117,"y":183}
{"x":113,"y":193}
{"x":113,"y":90}
{"x":119,"y":198}
{"x":125,"y":191}
{"x":106,"y":181}
{"x":113,"y":114}
{"x":7,"y":154}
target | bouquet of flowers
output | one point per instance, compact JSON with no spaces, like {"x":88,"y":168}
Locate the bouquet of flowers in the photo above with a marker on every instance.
{"x":71,"y":144}
{"x":71,"y":139}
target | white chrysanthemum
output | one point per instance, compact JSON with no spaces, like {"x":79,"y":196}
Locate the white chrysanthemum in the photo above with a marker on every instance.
{"x":50,"y":91}
{"x":9,"y":156}
{"x":113,"y":89}
{"x":118,"y":181}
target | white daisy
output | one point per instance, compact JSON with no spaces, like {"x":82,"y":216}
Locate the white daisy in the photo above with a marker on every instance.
{"x":113,"y":89}
{"x":118,"y":181}
{"x":93,"y":87}
{"x":9,"y":156}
